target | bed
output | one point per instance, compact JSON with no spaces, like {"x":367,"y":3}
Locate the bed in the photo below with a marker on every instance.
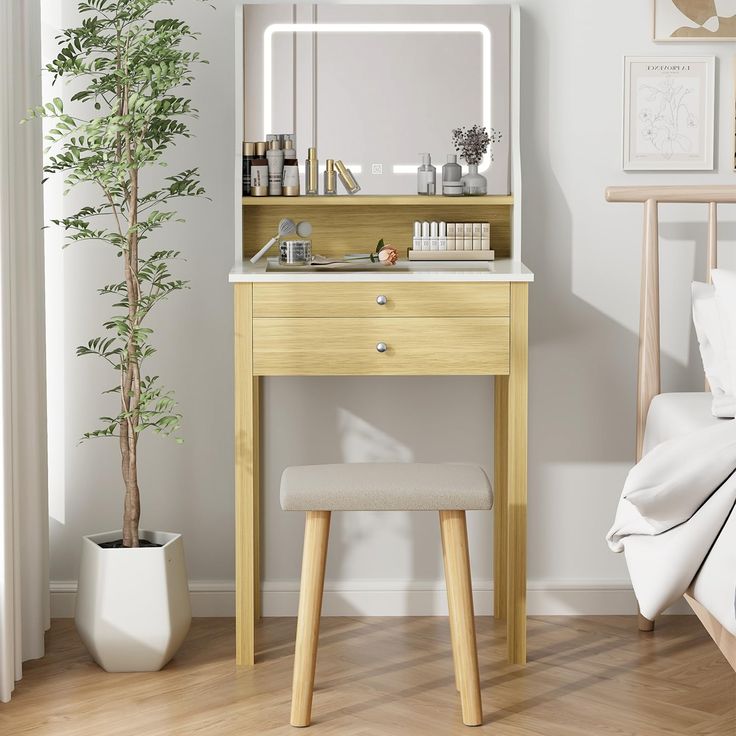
{"x":662,"y":417}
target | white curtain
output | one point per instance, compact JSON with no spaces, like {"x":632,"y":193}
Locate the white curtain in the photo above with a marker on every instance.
{"x":24,"y":583}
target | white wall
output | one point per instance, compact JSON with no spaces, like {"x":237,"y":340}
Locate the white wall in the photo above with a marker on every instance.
{"x":584,"y":315}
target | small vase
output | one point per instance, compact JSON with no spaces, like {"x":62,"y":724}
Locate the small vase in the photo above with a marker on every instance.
{"x":474,"y":183}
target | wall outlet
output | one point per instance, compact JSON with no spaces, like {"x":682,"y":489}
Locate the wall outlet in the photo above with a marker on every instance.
{"x":376,"y":168}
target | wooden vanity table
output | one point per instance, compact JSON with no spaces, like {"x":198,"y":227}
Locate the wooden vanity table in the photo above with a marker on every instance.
{"x":432,"y":319}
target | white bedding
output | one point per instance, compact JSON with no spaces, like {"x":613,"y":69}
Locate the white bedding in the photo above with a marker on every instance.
{"x":676,"y":521}
{"x":673,"y":415}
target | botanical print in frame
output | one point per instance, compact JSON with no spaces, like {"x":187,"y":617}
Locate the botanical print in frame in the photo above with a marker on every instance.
{"x":694,"y":20}
{"x":668,"y":113}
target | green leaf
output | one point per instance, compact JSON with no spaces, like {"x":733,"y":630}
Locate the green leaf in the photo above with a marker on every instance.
{"x":380,"y":246}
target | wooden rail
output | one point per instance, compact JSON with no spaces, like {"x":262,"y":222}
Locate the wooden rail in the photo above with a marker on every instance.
{"x":722,"y":194}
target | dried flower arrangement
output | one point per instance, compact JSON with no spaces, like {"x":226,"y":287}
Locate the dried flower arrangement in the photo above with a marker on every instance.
{"x":472,"y":143}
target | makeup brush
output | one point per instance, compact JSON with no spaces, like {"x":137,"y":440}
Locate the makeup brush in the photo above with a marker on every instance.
{"x":286,"y":227}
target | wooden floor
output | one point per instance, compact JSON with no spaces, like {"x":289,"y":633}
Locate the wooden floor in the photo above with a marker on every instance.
{"x":380,"y":677}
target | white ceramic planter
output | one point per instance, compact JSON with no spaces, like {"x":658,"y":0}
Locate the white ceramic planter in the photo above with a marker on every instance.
{"x":133,"y":608}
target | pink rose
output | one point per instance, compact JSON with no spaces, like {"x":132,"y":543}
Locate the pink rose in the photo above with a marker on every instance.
{"x":388,"y":255}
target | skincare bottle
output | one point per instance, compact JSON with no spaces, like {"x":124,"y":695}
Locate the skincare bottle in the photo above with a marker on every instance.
{"x":442,"y":240}
{"x":433,"y":236}
{"x":311,"y":174}
{"x":290,"y":180}
{"x":275,"y":156}
{"x":476,"y":236}
{"x":426,"y":176}
{"x":347,"y":178}
{"x":468,"y":236}
{"x":450,"y":236}
{"x":452,"y":172}
{"x":485,"y":236}
{"x":249,"y":153}
{"x":425,"y":235}
{"x":330,"y":180}
{"x":259,"y":172}
{"x":416,"y":243}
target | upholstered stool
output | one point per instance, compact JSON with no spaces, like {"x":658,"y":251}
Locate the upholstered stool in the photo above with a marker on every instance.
{"x":448,"y":488}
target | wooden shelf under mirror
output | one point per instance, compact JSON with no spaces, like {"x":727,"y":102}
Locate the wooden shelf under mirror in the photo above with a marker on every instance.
{"x":346,"y":200}
{"x":349,"y":224}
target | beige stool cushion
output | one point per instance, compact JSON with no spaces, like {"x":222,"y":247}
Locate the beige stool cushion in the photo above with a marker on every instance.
{"x":385,"y":487}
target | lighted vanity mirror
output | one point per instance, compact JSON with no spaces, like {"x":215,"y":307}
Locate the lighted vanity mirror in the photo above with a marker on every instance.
{"x":376,"y":85}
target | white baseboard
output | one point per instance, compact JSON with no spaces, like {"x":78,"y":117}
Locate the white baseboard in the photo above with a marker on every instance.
{"x":396,"y":598}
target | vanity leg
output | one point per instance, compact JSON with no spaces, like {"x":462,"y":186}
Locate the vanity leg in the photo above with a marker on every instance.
{"x":256,"y":430}
{"x":500,"y":497}
{"x":247,"y":489}
{"x":517,"y":475}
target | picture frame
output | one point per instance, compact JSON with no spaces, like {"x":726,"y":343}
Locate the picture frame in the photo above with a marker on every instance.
{"x":694,"y":21}
{"x":669,"y":113}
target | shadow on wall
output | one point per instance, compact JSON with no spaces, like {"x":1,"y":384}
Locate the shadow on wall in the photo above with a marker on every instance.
{"x":583,"y":363}
{"x":351,"y":414}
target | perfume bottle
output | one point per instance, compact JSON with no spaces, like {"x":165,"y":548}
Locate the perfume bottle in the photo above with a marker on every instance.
{"x":426,"y":176}
{"x":330,"y":180}
{"x":347,"y":178}
{"x":311,"y":174}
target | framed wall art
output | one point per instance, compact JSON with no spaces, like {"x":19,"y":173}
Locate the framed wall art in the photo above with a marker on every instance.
{"x":668,"y":113}
{"x":694,"y":20}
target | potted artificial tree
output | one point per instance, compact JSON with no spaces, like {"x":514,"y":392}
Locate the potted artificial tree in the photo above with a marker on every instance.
{"x":127,"y":64}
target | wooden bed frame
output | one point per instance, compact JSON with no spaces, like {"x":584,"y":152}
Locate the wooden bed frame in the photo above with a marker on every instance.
{"x":649,"y":380}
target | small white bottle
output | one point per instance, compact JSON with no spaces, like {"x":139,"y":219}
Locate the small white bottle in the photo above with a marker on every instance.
{"x":426,"y":176}
{"x":417,"y":242}
{"x":442,"y":240}
{"x":425,"y":235}
{"x":434,"y":233}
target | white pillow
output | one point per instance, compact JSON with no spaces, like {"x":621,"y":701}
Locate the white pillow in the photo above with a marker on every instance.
{"x":725,"y":289}
{"x":713,"y":349}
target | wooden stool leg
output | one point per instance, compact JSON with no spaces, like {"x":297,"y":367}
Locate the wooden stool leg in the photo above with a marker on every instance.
{"x":452,"y":618}
{"x":460,"y":603}
{"x":316,"y":534}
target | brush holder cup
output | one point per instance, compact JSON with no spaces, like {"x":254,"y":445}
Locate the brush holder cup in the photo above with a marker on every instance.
{"x":295,"y":252}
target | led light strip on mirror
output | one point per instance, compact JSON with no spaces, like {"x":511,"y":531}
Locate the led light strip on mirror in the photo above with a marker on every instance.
{"x":484,"y":32}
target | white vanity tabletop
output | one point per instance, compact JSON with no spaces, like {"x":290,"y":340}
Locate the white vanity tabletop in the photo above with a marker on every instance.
{"x":269,"y":271}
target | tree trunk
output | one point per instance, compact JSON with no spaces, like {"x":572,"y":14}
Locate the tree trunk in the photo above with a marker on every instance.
{"x":131,"y":396}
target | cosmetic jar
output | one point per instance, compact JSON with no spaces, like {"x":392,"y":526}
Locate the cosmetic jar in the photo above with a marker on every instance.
{"x":295,"y":252}
{"x":452,"y":189}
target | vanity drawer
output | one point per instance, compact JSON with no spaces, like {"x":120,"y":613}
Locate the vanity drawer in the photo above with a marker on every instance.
{"x":351,"y":346}
{"x":369,"y":299}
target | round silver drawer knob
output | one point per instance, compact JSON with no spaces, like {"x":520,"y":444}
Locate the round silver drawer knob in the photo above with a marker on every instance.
{"x":381,"y":347}
{"x":381,"y":299}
